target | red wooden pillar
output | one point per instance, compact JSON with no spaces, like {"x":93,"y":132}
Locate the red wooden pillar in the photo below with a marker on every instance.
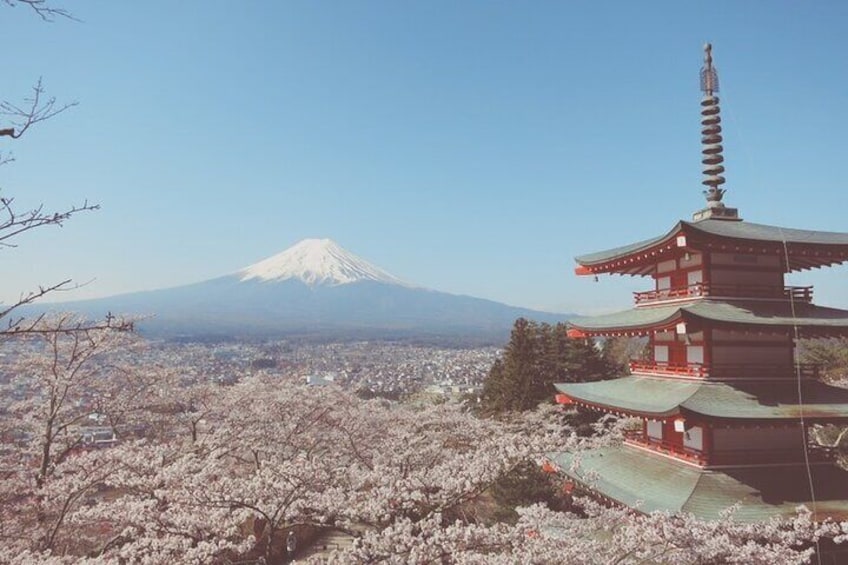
{"x":708,"y":442}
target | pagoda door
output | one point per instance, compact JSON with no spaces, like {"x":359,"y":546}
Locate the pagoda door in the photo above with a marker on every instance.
{"x":679,"y":279}
{"x":677,"y":354}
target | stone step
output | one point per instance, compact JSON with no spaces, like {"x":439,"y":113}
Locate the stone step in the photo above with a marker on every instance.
{"x":327,"y":542}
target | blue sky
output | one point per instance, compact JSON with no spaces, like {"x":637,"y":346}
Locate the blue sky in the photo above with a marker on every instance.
{"x":472,"y":147}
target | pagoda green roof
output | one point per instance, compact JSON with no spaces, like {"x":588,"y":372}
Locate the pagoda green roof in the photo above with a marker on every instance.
{"x":632,"y":319}
{"x":724,"y":229}
{"x":600,"y":257}
{"x":637,"y":395}
{"x":629,"y":476}
{"x":762,"y":232}
{"x":742,"y":400}
{"x":763,"y":313}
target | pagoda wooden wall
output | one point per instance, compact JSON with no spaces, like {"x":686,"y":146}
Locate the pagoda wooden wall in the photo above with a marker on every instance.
{"x":740,"y":269}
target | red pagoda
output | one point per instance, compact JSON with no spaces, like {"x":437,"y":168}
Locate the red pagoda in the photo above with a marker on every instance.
{"x":725,"y":407}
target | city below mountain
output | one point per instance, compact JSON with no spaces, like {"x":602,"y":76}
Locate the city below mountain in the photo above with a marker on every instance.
{"x":317,"y":290}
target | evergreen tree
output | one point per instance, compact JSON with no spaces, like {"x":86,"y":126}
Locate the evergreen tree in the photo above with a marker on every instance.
{"x":619,"y":351}
{"x":524,"y":485}
{"x":831,"y":356}
{"x":536,"y":357}
{"x":509,"y":385}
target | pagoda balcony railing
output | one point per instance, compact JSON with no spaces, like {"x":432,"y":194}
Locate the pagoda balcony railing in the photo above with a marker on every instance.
{"x":727,"y":370}
{"x":795,"y":293}
{"x":662,"y":446}
{"x":737,"y":457}
{"x":688,"y":370}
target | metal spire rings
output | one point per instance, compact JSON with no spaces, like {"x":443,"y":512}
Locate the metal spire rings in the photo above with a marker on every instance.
{"x":711,"y":132}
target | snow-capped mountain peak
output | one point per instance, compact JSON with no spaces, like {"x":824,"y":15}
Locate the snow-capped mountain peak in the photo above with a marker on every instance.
{"x":317,"y":262}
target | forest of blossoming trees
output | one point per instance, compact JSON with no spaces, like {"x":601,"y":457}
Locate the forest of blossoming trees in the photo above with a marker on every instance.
{"x":209,"y":473}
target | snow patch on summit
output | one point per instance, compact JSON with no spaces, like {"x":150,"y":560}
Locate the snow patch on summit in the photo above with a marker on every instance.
{"x":317,"y":262}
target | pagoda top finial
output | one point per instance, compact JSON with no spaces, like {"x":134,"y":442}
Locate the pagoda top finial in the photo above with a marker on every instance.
{"x":711,"y":140}
{"x":709,"y":77}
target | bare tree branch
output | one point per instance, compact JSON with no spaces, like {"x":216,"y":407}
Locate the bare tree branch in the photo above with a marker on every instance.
{"x":32,"y":296}
{"x":66,"y":324}
{"x":43,"y":8}
{"x":13,"y":223}
{"x":34,"y":109}
{"x":18,"y":119}
{"x":20,"y":325}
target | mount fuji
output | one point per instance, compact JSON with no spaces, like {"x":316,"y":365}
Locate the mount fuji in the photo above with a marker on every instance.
{"x":314,"y":289}
{"x":317,"y":262}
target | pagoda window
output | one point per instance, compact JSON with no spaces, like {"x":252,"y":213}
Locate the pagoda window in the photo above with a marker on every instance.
{"x":655,"y":429}
{"x":695,"y":354}
{"x":661,"y":354}
{"x":663,"y":283}
{"x":694,"y":438}
{"x":694,"y":277}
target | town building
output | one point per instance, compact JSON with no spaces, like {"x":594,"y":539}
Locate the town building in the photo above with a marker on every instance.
{"x":724,"y":405}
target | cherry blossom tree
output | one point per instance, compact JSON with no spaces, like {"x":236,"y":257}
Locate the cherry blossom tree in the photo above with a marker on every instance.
{"x":271,"y":455}
{"x":60,"y":388}
{"x":275,"y":456}
{"x":70,"y":378}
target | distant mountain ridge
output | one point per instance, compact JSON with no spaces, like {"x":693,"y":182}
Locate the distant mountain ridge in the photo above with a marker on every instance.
{"x":315,"y":289}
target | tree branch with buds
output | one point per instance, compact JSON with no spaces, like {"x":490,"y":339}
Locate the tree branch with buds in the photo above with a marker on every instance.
{"x":36,"y":108}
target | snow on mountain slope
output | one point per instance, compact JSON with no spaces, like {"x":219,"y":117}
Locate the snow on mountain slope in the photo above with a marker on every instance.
{"x":317,"y":262}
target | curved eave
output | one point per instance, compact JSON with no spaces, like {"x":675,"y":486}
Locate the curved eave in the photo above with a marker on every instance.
{"x":636,"y":321}
{"x":809,"y":319}
{"x":629,"y":476}
{"x":766,"y":233}
{"x":758,"y":401}
{"x":636,"y":396}
{"x":734,"y":403}
{"x":806,"y":249}
{"x":634,"y":259}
